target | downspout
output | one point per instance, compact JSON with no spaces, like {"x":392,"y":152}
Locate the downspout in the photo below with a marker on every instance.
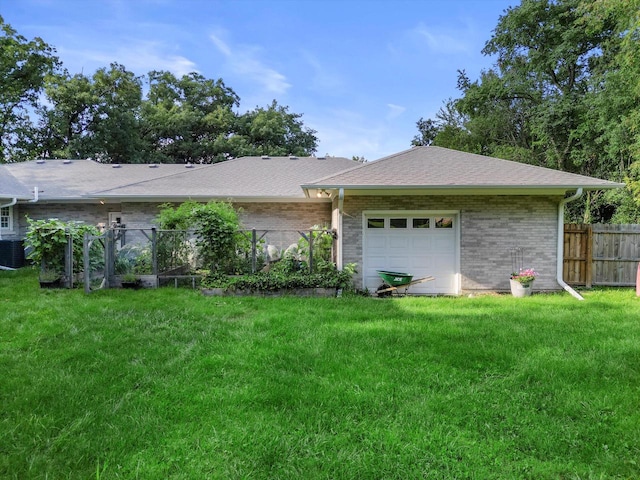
{"x":560,"y":258}
{"x":340,"y":211}
{"x":36,"y":195}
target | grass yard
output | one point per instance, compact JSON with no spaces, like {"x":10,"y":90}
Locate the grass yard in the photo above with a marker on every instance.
{"x":171,"y":384}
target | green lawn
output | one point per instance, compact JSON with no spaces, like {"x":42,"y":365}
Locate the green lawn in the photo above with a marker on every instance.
{"x":171,"y":384}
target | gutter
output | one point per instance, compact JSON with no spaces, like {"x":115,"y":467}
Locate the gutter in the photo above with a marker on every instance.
{"x":560,"y":257}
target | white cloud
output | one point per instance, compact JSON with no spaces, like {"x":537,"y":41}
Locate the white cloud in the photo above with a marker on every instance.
{"x":139,"y":57}
{"x":322,"y":78}
{"x":345,"y":133}
{"x":395,"y":110}
{"x":220,"y":45}
{"x":244,"y":60}
{"x":441,"y":42}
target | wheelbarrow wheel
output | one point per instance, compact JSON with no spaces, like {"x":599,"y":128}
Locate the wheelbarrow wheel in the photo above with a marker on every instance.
{"x":383,"y":290}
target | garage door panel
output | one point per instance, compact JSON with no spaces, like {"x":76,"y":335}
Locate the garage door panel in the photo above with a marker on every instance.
{"x":421,"y":242}
{"x":442,"y":244}
{"x":398,"y":242}
{"x":377,"y":263}
{"x":376,"y":241}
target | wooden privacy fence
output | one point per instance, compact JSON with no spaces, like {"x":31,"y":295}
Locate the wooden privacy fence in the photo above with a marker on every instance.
{"x":601,"y":254}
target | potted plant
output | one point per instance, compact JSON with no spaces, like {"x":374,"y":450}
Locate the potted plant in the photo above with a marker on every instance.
{"x":522,"y":281}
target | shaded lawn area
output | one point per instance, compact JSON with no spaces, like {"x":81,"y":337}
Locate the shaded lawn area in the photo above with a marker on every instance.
{"x":171,"y":384}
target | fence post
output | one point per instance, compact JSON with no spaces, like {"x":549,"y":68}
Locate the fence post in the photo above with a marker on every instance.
{"x":154,"y":251}
{"x":310,"y":251}
{"x":589,"y":259}
{"x":86,"y":263}
{"x":109,"y":247}
{"x":254,"y":249}
{"x":69,"y":260}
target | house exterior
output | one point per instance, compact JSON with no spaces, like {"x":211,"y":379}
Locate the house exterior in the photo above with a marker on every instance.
{"x":427,"y":210}
{"x":454,"y":215}
{"x":266,"y":189}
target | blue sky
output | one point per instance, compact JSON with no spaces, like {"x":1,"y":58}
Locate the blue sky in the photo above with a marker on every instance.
{"x":361,"y":72}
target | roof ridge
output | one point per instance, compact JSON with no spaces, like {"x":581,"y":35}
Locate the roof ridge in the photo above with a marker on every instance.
{"x":191,"y":170}
{"x":334,"y":174}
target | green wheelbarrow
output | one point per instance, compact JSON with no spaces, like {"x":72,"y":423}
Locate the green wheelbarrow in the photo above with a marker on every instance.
{"x":392,"y":281}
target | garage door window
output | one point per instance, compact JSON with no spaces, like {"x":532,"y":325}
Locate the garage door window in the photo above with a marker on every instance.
{"x":420,"y":223}
{"x":375,"y":223}
{"x":444,"y":222}
{"x":398,"y":223}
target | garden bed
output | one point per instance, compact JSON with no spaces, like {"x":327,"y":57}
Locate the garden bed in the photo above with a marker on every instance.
{"x":282,"y":292}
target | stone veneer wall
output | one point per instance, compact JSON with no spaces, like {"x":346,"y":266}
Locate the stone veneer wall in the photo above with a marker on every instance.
{"x":489,"y":227}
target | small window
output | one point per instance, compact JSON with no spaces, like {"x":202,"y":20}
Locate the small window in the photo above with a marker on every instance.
{"x":375,"y":223}
{"x":444,"y":222}
{"x":420,"y":223}
{"x":6,"y":214}
{"x":398,"y":223}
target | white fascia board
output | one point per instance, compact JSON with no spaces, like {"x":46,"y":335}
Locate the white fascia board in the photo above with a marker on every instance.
{"x":206,"y":198}
{"x":466,"y":190}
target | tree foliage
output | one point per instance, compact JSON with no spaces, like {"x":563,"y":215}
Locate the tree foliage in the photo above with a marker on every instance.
{"x":114,"y":116}
{"x":93,"y":116}
{"x":563,"y":93}
{"x":24,"y":65}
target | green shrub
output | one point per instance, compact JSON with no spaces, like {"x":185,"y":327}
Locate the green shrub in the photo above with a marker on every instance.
{"x":281,"y":279}
{"x":46,"y":240}
{"x":216,"y":226}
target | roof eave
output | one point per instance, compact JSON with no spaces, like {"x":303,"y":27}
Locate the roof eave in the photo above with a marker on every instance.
{"x":205,"y":198}
{"x":475,"y":189}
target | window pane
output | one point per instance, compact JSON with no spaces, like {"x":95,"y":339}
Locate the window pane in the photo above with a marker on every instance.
{"x":375,"y":223}
{"x":444,"y":222}
{"x":398,"y":223}
{"x":4,"y":217}
{"x":420,"y":223}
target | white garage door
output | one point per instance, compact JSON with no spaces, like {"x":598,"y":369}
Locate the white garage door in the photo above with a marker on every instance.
{"x":421,"y":244}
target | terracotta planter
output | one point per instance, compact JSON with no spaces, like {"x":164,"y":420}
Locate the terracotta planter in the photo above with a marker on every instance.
{"x":520,"y":290}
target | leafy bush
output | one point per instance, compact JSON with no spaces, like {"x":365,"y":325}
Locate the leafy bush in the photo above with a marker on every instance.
{"x":283,"y":278}
{"x":322,"y":248}
{"x":216,"y":226}
{"x":46,"y":241}
{"x":135,"y":259}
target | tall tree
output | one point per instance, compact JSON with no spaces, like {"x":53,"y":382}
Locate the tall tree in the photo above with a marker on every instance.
{"x":188,"y":119}
{"x":96,"y":117}
{"x":23,"y":67}
{"x":561,"y":93}
{"x":275,"y":131}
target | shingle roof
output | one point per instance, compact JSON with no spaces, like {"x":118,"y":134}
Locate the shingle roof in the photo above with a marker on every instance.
{"x":11,"y":187}
{"x":280,"y":177}
{"x":255,"y":177}
{"x":272,"y":177}
{"x":437,"y":167}
{"x":75,"y":179}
